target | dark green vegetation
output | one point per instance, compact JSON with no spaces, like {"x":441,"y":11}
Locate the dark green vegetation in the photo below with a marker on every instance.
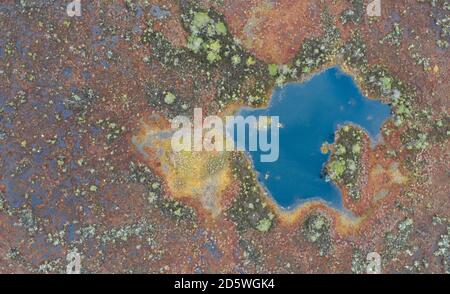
{"x":443,"y":250}
{"x":423,"y":130}
{"x":343,"y":167}
{"x":249,"y":209}
{"x":354,"y":13}
{"x":252,"y":253}
{"x":168,"y":101}
{"x":395,"y":36}
{"x":354,"y":52}
{"x":359,"y":261}
{"x":316,"y":229}
{"x":442,"y":20}
{"x":381,"y":84}
{"x":396,"y":241}
{"x":213,"y":58}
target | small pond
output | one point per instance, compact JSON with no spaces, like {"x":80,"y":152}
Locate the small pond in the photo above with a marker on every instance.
{"x":309,"y":114}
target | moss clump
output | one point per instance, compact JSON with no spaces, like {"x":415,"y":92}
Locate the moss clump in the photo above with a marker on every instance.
{"x":354,"y":13}
{"x":344,"y":165}
{"x":359,"y":262}
{"x":204,"y":35}
{"x":168,"y":101}
{"x":241,"y":75}
{"x":273,"y":69}
{"x":169,"y":98}
{"x":397,"y":241}
{"x":415,"y":140}
{"x":440,"y":131}
{"x":282,"y":73}
{"x":395,"y":36}
{"x":316,"y":229}
{"x":443,"y":250}
{"x":379,"y":82}
{"x":264,"y":225}
{"x":336,"y":169}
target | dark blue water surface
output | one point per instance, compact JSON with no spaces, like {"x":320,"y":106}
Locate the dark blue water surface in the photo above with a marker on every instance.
{"x":310,"y":113}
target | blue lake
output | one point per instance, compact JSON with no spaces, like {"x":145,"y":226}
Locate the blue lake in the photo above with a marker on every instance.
{"x":309,"y":114}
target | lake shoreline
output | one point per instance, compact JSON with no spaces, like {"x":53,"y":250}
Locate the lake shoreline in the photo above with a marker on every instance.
{"x":293,"y":210}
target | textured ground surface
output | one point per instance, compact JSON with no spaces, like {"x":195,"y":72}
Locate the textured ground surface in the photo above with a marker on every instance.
{"x":84,"y":168}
